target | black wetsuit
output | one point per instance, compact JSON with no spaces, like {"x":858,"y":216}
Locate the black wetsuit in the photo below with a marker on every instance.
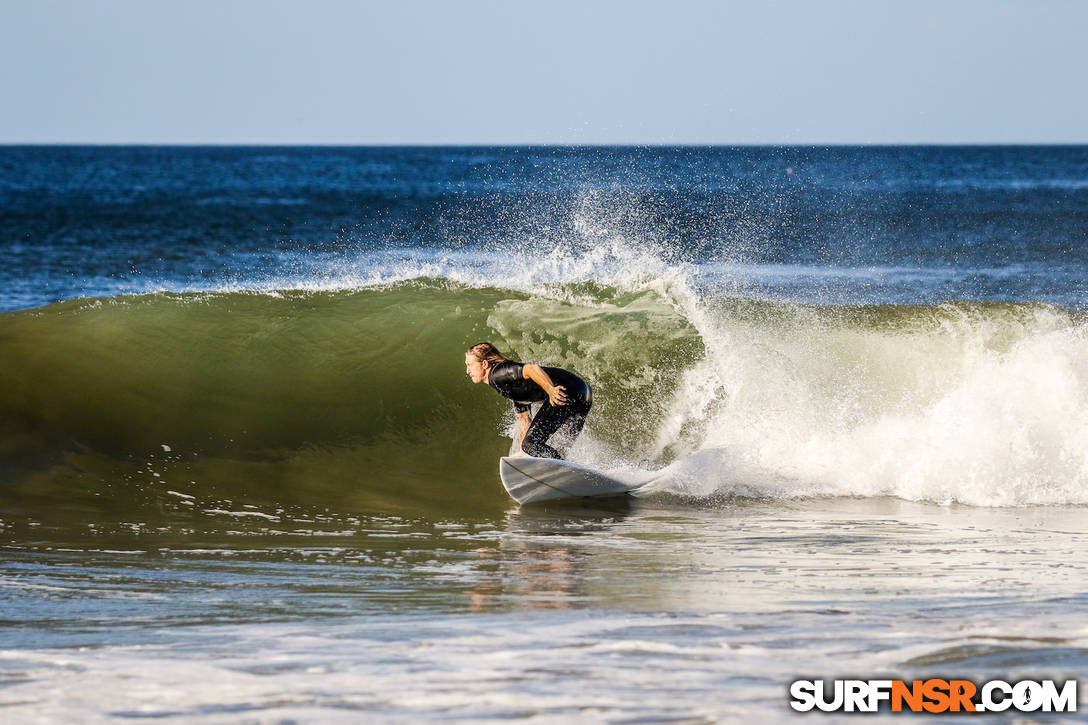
{"x":509,"y":380}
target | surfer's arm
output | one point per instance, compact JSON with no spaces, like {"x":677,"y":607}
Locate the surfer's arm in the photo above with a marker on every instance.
{"x":557,"y":394}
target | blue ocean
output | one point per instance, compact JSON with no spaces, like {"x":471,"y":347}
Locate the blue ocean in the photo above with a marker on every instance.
{"x":244,"y":478}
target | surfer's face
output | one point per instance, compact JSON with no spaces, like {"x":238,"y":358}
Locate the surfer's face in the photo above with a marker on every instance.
{"x":476,"y":369}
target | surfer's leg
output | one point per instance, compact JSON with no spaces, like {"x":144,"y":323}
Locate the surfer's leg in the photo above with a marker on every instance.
{"x":571,"y":418}
{"x":540,"y":450}
{"x":573,"y":423}
{"x":546,"y":422}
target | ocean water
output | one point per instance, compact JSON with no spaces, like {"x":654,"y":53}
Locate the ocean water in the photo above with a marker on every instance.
{"x":244,"y":478}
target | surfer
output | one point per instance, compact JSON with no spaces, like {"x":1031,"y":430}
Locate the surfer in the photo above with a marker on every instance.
{"x":566,"y":397}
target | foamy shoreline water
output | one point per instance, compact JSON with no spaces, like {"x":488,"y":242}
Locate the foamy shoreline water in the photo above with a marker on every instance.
{"x":658,"y":612}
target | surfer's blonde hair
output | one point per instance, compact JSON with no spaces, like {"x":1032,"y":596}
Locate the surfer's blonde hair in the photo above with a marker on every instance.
{"x":486,"y":351}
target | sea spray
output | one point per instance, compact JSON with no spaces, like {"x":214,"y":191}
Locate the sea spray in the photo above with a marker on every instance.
{"x":978,"y":403}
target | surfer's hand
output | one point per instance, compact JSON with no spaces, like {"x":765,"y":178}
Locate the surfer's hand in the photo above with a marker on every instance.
{"x":557,"y":395}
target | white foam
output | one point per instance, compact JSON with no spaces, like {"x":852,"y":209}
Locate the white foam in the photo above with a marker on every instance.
{"x":974,"y":406}
{"x":241,"y":514}
{"x":181,"y":495}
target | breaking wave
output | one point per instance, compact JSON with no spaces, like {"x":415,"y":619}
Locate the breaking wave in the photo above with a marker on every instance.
{"x":355,"y":395}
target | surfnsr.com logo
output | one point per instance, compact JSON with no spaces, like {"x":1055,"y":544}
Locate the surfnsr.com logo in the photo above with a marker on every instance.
{"x":933,"y":696}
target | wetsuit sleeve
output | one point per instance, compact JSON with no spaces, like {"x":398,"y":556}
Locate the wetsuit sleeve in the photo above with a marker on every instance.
{"x":522,"y":407}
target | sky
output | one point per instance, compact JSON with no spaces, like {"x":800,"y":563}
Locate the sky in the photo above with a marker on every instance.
{"x":556,"y":72}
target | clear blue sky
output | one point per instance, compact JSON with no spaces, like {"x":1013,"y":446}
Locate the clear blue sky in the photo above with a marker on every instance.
{"x":415,"y":71}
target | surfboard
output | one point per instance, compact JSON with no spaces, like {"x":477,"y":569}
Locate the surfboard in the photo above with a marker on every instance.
{"x":529,"y":480}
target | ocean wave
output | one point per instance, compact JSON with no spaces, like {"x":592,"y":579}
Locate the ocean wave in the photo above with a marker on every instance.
{"x":357,"y":397}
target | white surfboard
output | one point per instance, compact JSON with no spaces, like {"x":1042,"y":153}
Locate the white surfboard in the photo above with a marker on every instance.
{"x":528,"y":480}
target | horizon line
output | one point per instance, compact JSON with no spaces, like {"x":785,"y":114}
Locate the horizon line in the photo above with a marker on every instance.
{"x":480,"y":144}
